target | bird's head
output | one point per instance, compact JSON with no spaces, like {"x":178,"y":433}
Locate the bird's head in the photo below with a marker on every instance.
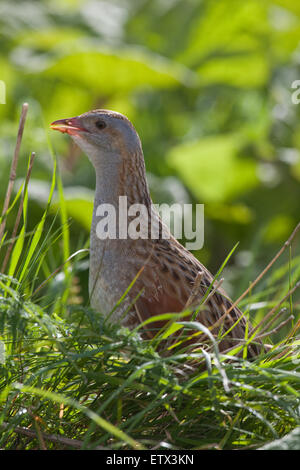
{"x":101,"y":134}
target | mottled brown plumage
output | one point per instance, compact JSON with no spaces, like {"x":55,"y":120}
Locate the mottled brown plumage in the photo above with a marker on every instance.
{"x":167,"y":271}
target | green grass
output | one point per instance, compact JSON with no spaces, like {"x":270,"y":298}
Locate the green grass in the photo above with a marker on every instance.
{"x":69,"y":379}
{"x":86,"y":380}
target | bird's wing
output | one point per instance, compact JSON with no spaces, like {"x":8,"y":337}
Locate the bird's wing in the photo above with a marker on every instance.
{"x":167,"y":283}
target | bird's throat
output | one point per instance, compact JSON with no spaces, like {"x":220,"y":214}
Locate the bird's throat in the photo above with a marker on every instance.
{"x":125,"y":176}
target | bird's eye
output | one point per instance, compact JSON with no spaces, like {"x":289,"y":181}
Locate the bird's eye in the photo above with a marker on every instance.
{"x":100,"y":124}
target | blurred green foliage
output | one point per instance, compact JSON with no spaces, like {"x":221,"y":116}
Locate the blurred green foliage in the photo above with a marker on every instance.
{"x":207,"y":85}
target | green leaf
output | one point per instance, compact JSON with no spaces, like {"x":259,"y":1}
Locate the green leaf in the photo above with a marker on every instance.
{"x":241,"y":70}
{"x":211,"y":168}
{"x":64,"y":218}
{"x":39,"y":229}
{"x":17,"y":252}
{"x":235,"y":53}
{"x":18,"y":248}
{"x":106,"y":71}
{"x":289,"y":5}
{"x":171,"y":329}
{"x":237,"y":27}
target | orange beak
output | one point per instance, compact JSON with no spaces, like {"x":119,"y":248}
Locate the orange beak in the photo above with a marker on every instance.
{"x":71,"y":126}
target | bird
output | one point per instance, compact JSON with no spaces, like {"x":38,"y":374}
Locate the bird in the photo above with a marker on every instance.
{"x":151,"y":275}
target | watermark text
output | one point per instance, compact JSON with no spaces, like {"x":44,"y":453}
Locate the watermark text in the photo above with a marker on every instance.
{"x":137,"y":221}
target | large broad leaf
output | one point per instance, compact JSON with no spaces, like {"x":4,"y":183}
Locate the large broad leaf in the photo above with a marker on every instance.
{"x":105,"y":71}
{"x":212,"y":169}
{"x":227,"y":43}
{"x":227,"y":26}
{"x":242,"y":70}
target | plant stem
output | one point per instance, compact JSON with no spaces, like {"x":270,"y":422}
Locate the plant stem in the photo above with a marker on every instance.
{"x":253,"y":284}
{"x":18,"y":218}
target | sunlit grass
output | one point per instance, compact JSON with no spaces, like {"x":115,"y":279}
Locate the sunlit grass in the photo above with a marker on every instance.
{"x":84,"y":379}
{"x":69,"y":379}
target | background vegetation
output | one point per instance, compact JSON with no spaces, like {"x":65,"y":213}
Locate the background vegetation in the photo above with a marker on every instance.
{"x":207,"y":85}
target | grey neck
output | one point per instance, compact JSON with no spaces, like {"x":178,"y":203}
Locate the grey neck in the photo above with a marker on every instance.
{"x":107,"y":181}
{"x":117,"y":175}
